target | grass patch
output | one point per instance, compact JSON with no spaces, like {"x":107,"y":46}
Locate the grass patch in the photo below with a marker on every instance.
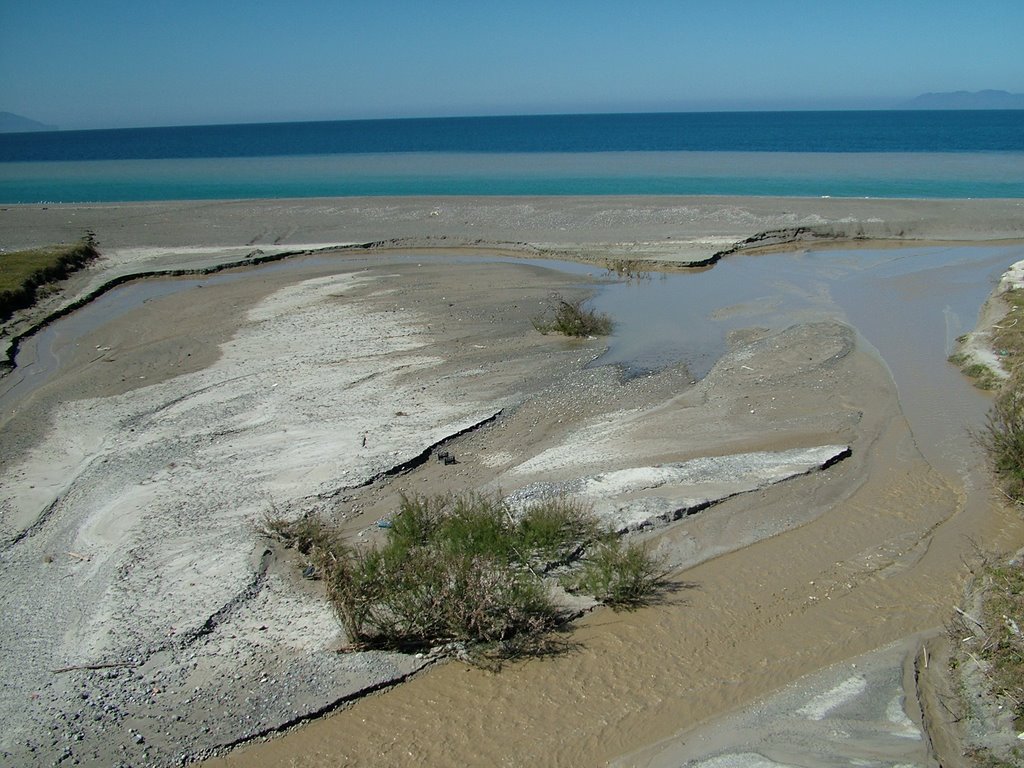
{"x":1008,"y":336}
{"x":24,"y":274}
{"x":1003,"y":437}
{"x":988,"y":660}
{"x":464,"y":570}
{"x":1003,"y":646}
{"x":571,"y":319}
{"x":984,"y":377}
{"x":995,"y":638}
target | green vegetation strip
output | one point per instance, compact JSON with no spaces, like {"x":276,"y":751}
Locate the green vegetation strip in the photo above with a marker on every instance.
{"x":995,"y":639}
{"x":25,"y":274}
{"x":1003,"y":436}
{"x":1008,"y":340}
{"x":1004,"y":644}
{"x":470,"y":571}
{"x":1007,"y":343}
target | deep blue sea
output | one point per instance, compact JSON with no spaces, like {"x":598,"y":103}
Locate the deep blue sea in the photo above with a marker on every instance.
{"x":942,"y":154}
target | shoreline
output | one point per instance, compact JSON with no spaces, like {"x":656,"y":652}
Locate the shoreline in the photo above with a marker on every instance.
{"x":640,"y":224}
{"x":209,"y":391}
{"x":147,"y":239}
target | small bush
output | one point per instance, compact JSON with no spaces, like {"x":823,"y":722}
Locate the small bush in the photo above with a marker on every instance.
{"x":461,"y":569}
{"x":425,"y":598}
{"x":1003,"y":437}
{"x":304,"y":534}
{"x":465,"y":569}
{"x":619,"y":574}
{"x":571,"y":319}
{"x":454,"y":569}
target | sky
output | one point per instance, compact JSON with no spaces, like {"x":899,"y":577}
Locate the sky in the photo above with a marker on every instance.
{"x":117,"y":63}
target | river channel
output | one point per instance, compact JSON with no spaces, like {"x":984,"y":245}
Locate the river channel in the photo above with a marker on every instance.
{"x":908,"y":305}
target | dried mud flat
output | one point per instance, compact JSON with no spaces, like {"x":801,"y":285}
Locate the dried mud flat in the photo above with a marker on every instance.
{"x":148,"y":623}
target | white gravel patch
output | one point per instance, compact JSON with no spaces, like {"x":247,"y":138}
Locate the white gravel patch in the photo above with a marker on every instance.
{"x":137,"y":513}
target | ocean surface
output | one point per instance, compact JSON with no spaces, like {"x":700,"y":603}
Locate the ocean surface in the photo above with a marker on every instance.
{"x":919,"y":154}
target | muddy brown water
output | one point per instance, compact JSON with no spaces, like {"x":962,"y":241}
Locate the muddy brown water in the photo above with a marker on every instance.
{"x":887,"y":562}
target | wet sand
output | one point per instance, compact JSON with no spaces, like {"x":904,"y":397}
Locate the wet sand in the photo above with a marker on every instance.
{"x":101,"y":466}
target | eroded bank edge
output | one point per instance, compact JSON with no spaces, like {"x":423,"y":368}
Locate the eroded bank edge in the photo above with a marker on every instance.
{"x":788,"y":238}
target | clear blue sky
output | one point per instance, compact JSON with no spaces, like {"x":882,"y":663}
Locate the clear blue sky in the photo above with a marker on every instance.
{"x":113,"y":63}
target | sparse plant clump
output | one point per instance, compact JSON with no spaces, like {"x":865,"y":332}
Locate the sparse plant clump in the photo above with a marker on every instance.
{"x":988,"y":660}
{"x":571,"y":319}
{"x":629,"y":269}
{"x":619,"y":574}
{"x":1003,"y":437}
{"x":1008,"y":336}
{"x":304,"y":534}
{"x":459,"y":569}
{"x":1003,"y":617}
{"x":983,"y":376}
{"x":992,"y":641}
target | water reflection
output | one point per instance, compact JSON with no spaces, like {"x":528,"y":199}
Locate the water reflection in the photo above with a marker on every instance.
{"x":909,"y":304}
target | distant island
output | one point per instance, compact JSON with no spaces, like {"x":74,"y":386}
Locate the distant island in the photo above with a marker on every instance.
{"x":12,"y":123}
{"x":967,"y":100}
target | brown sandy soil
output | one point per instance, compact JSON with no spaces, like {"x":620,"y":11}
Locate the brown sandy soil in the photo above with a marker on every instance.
{"x":132,"y":484}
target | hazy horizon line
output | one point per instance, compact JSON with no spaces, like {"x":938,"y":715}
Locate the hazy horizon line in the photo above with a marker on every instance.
{"x":898,"y":107}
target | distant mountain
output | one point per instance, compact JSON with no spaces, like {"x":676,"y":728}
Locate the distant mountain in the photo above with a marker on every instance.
{"x":968,"y":100}
{"x":11,"y":123}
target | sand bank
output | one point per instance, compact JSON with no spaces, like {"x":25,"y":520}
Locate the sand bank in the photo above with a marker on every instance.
{"x":656,"y":232}
{"x":134,"y":481}
{"x":665,"y":228}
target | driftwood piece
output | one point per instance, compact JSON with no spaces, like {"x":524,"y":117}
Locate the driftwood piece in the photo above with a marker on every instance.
{"x":968,"y":617}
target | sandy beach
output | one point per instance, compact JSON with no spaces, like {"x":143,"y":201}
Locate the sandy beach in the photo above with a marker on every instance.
{"x":150,"y":623}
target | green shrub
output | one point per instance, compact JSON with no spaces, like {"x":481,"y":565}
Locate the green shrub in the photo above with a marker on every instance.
{"x":426,"y":598}
{"x":462,"y":569}
{"x":453,"y":569}
{"x":571,"y":319}
{"x":983,"y":376}
{"x":556,"y":529}
{"x":1003,"y":437}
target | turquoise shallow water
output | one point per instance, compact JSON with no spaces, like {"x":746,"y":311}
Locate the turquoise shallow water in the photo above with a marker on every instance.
{"x":800,"y":174}
{"x":841,"y":154}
